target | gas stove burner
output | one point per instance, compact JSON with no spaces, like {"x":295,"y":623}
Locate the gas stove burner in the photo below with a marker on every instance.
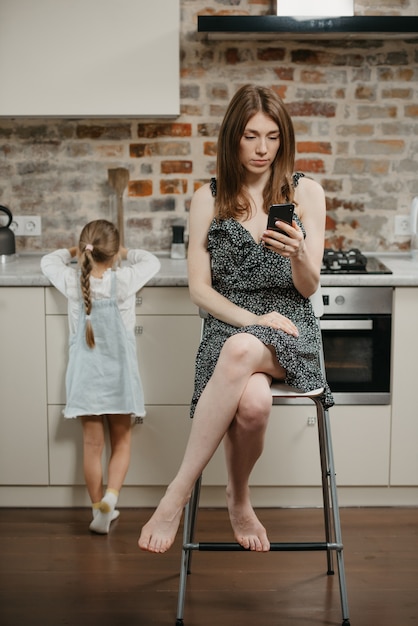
{"x":351,"y":262}
{"x":345,"y":261}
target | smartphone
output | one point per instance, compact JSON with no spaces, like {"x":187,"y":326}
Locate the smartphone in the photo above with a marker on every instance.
{"x":283,"y":212}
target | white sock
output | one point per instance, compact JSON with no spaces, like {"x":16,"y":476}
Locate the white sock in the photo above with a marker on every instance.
{"x":115,"y":515}
{"x":105,"y":512}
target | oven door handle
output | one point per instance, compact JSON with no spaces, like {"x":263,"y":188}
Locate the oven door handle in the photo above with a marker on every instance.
{"x":346,"y":324}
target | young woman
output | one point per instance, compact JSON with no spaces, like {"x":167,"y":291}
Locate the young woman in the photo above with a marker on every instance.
{"x":102,"y":379}
{"x":255,"y":284}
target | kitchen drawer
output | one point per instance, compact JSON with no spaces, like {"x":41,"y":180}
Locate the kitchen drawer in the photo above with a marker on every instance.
{"x":165,"y":301}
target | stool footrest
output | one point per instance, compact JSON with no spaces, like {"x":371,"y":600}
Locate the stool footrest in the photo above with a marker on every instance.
{"x":214,"y":546}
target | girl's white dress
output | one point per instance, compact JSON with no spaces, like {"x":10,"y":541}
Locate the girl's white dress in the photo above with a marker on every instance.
{"x":103,"y":380}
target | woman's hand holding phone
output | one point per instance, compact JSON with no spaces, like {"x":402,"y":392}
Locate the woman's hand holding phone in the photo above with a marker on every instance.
{"x":283,"y":213}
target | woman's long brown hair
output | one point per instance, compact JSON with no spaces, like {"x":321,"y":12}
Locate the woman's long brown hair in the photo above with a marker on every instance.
{"x":231,"y":199}
{"x":103,"y":237}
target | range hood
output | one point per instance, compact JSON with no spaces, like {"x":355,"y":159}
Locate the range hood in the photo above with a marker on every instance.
{"x":273,"y":27}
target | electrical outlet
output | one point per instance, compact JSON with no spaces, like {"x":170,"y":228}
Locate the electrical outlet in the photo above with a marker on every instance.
{"x":26,"y":225}
{"x":402,"y":225}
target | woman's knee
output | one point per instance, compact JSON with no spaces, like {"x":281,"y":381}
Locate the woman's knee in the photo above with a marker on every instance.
{"x":254,"y":409}
{"x":239,"y":349}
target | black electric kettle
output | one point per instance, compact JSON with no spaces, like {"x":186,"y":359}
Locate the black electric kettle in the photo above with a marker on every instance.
{"x":7,"y":236}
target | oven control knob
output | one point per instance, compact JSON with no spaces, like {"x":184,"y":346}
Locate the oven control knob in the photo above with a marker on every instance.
{"x":340,"y":300}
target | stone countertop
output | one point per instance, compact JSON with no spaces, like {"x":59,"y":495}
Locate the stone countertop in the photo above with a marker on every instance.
{"x":25,"y":271}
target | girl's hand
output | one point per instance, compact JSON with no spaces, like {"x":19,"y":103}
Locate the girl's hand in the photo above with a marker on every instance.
{"x":279,"y":322}
{"x":123,"y":252}
{"x":73,"y":251}
{"x":291,"y":244}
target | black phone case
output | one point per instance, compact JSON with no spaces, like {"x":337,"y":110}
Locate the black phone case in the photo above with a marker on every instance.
{"x":283,"y":212}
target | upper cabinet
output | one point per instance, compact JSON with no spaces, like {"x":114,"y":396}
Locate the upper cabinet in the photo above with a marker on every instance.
{"x":89,"y":58}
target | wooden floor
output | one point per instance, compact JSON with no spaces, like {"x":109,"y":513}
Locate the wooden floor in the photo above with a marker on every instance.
{"x":53,"y":572}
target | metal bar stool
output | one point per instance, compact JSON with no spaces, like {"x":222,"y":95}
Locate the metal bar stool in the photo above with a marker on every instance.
{"x":333,"y":540}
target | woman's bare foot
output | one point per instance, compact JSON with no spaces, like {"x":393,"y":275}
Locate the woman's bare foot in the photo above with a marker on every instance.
{"x":248,"y":530}
{"x":159,"y":532}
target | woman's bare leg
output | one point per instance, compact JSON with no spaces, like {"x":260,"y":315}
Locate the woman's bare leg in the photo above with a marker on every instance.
{"x":241,"y":356}
{"x":244,"y":442}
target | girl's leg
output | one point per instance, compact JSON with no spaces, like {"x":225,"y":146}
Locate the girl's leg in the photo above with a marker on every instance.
{"x":241,"y":356}
{"x":120,"y":431}
{"x":120,"y":443}
{"x":244,"y":442}
{"x":93,"y":445}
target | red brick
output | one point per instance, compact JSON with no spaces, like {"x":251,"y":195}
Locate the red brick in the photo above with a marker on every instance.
{"x":164,"y":130}
{"x":411,"y":110}
{"x":332,"y":185}
{"x":281,"y":91}
{"x":312,"y":77}
{"x":397,"y":92}
{"x":321,"y":147}
{"x":210,"y":148}
{"x":365,"y":92}
{"x":310,"y":165}
{"x":176,"y":167}
{"x":271,"y":54}
{"x":159,"y":148}
{"x":284,"y":73}
{"x":311,"y":109}
{"x":103,"y":131}
{"x":208,"y":130}
{"x":140,"y":188}
{"x":173,"y":186}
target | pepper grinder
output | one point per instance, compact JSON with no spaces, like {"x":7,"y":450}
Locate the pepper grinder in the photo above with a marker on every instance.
{"x":178,"y":249}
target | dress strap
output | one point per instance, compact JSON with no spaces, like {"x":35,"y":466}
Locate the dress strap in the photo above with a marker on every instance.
{"x":296,"y":177}
{"x":113,"y":285}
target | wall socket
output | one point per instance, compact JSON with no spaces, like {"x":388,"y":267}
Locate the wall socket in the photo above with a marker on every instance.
{"x":402,"y":225}
{"x":26,"y":225}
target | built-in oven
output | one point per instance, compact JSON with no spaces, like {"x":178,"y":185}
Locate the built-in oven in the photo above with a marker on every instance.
{"x":356,"y":333}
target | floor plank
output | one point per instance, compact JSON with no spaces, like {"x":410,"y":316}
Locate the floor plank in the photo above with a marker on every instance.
{"x":54,"y":572}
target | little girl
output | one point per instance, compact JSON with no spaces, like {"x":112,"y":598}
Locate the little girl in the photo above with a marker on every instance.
{"x":102,"y":379}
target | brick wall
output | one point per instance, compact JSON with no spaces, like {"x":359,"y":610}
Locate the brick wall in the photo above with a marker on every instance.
{"x":353,"y":103}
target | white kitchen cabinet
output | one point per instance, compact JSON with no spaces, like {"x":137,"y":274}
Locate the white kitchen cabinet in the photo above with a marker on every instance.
{"x":157,"y":447}
{"x":361,"y":442}
{"x":89,"y":58}
{"x":404,"y":453}
{"x":23,"y":423}
{"x":168,"y":328}
{"x":374,"y":446}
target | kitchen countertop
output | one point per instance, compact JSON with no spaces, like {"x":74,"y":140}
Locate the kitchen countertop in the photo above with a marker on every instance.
{"x":25,"y":271}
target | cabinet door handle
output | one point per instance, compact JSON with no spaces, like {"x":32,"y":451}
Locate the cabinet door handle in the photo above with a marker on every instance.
{"x":139,"y":330}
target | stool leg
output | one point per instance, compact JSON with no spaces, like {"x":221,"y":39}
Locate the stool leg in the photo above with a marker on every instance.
{"x":336,"y":521}
{"x":193,"y":509}
{"x":323,"y":456}
{"x":190,"y":515}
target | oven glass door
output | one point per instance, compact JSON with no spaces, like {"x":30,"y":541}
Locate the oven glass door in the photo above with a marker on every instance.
{"x":357,"y":352}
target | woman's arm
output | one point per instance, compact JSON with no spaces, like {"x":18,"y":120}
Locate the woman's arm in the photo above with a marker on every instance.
{"x":200,"y":278}
{"x":307,"y":261}
{"x":305,"y":254}
{"x":202,"y":209}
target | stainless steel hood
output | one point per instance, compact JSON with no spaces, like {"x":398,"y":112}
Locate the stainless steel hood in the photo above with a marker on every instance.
{"x":280,"y":27}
